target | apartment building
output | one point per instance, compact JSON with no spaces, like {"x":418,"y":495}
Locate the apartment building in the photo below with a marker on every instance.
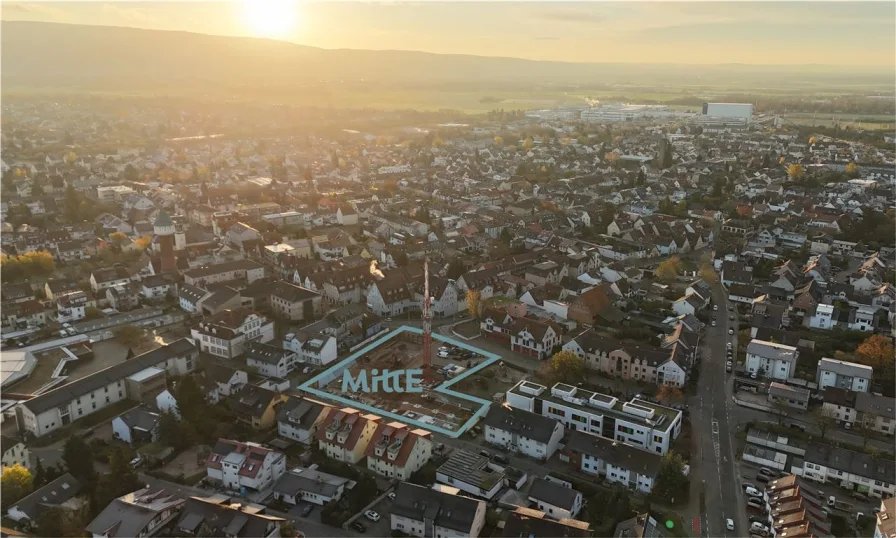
{"x":644,"y":425}
{"x":396,"y":451}
{"x":850,"y":470}
{"x":237,"y":465}
{"x":270,"y":361}
{"x":243,"y":271}
{"x":770,"y":359}
{"x":228,"y":333}
{"x":345,"y":434}
{"x":298,"y":419}
{"x":59,"y":407}
{"x":521,"y":431}
{"x":436,"y":511}
{"x":843,"y":375}
{"x":613,"y":461}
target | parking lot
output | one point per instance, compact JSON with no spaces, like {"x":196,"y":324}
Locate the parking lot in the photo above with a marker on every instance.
{"x":381,"y":527}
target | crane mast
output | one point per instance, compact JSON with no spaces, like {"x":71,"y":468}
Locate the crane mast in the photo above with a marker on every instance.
{"x":427,"y":325}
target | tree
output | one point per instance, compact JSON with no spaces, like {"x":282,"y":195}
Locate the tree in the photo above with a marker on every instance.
{"x":16,"y":482}
{"x":876,"y":351}
{"x":671,"y":480}
{"x":474,"y":300}
{"x":668,"y":270}
{"x":527,"y":145}
{"x":612,"y":158}
{"x":29,"y":264}
{"x":130,"y":173}
{"x":118,"y":238}
{"x":130,"y":335}
{"x":866,"y":429}
{"x":171,"y":432}
{"x":499,"y":141}
{"x":506,"y":237}
{"x":144,"y":242}
{"x":77,"y":459}
{"x":795,"y":171}
{"x":91,"y":312}
{"x":823,"y":419}
{"x":852,"y":169}
{"x":456,"y":268}
{"x":55,"y":521}
{"x":568,"y":366}
{"x":780,"y":411}
{"x":670,"y":395}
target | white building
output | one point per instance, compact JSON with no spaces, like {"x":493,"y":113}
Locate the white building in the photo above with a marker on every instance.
{"x":774,"y":360}
{"x":520,"y":431}
{"x":843,"y":375}
{"x":318,"y":349}
{"x":613,"y":461}
{"x":644,"y":425}
{"x":558,"y":502}
{"x":471,"y":473}
{"x":396,"y":451}
{"x":237,"y":465}
{"x":854,"y":471}
{"x":270,"y":361}
{"x":59,"y":407}
{"x":436,"y":512}
{"x":299,"y":418}
{"x":228,"y":333}
{"x":310,"y":486}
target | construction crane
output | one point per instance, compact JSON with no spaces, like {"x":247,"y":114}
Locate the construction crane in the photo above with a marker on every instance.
{"x":427,"y":325}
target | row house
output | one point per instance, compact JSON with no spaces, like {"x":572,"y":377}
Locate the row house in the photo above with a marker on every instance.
{"x":854,"y":471}
{"x":345,"y":434}
{"x":613,"y":461}
{"x":396,"y":451}
{"x":661,"y":366}
{"x":246,"y":271}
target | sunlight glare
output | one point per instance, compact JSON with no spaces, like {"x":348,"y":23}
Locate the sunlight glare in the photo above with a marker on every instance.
{"x":270,"y":18}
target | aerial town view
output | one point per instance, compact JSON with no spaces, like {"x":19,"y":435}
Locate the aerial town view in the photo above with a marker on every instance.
{"x":447,"y":269}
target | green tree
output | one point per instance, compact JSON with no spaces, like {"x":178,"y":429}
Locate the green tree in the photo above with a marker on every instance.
{"x":671,"y":480}
{"x":474,"y":301}
{"x":568,"y":366}
{"x":670,"y":395}
{"x":15,"y":483}
{"x":61,"y":522}
{"x":506,"y":237}
{"x":456,"y":268}
{"x":76,"y":455}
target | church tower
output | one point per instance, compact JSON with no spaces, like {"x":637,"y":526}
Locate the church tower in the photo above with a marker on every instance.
{"x":163,"y":228}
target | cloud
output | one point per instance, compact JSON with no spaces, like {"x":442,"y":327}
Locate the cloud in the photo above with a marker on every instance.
{"x":34,"y":11}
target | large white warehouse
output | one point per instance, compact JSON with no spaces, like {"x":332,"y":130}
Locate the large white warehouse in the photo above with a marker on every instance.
{"x":743,"y":111}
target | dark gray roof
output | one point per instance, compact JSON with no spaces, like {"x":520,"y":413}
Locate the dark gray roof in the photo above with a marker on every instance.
{"x":191,"y":293}
{"x":299,"y":411}
{"x":85,"y":385}
{"x":521,"y":422}
{"x":251,"y":401}
{"x":162,"y":219}
{"x":444,"y":509}
{"x":266,"y":353}
{"x":199,"y":272}
{"x":615,"y":453}
{"x":223,"y":519}
{"x":141,"y":419}
{"x":292,"y":293}
{"x":312,"y":481}
{"x":130,"y":514}
{"x":220,"y":297}
{"x":525,"y":522}
{"x":63,"y":489}
{"x":553,"y":494}
{"x":882,"y":468}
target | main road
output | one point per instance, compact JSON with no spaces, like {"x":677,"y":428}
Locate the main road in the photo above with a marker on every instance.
{"x":715,"y":483}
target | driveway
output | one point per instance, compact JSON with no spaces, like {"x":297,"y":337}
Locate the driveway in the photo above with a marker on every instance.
{"x":381,"y":527}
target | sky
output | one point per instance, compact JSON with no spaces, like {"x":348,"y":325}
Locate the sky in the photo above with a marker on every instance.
{"x":818,"y":32}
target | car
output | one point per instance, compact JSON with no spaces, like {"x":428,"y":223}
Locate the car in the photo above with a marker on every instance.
{"x":730,"y":331}
{"x":753,"y":375}
{"x":391,"y":495}
{"x":758,"y":527}
{"x":730,"y":318}
{"x":371,"y":515}
{"x":746,"y":485}
{"x":501,"y":459}
{"x":763,"y":479}
{"x":307,"y":510}
{"x":730,"y":345}
{"x":713,"y":323}
{"x":728,"y":366}
{"x":443,"y":348}
{"x":731,"y":308}
{"x":729,"y":524}
{"x":443,"y":354}
{"x":759,"y":519}
{"x":358,"y":526}
{"x":756,"y":506}
{"x":768,"y":472}
{"x":485,"y":453}
{"x":136,"y":462}
{"x":753,"y":492}
{"x":715,"y":308}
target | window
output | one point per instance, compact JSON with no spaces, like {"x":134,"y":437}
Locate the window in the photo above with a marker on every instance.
{"x":107,"y":399}
{"x":94,"y":405}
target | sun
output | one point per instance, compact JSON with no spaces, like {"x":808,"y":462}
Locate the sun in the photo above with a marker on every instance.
{"x":270,"y":18}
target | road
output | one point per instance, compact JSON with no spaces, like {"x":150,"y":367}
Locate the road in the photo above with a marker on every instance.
{"x":715,"y":483}
{"x":308,"y":527}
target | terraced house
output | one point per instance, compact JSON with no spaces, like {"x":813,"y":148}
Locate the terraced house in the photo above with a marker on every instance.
{"x":661,"y":366}
{"x":396,"y":451}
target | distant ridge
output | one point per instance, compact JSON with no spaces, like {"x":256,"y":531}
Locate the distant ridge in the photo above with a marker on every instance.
{"x":39,"y":53}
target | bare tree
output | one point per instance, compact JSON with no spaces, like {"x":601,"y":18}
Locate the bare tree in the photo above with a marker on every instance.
{"x":780,"y":412}
{"x":823,"y":419}
{"x":866,"y":430}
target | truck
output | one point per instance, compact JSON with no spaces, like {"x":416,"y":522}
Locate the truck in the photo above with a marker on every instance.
{"x":839,"y":505}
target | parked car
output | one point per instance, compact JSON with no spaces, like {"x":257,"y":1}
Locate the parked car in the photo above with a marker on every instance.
{"x":358,"y":526}
{"x":759,"y":519}
{"x":758,"y":528}
{"x":501,"y":459}
{"x":728,"y":367}
{"x":762,"y":479}
{"x":307,"y":510}
{"x":137,"y":462}
{"x":753,"y":492}
{"x":391,"y":495}
{"x":730,"y":318}
{"x":746,"y":485}
{"x":756,"y":506}
{"x":730,"y":331}
{"x":371,"y":515}
{"x":729,"y":524}
{"x":485,"y":453}
{"x":713,"y":323}
{"x":768,"y":472}
{"x":715,"y":307}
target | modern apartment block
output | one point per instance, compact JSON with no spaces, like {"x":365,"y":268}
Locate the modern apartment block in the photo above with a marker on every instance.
{"x":639,"y":423}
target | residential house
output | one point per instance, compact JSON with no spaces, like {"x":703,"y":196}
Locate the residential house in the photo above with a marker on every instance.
{"x":345,"y":434}
{"x":311,"y":486}
{"x":850,"y":470}
{"x":770,"y":359}
{"x":64,"y":493}
{"x":396,"y":451}
{"x":472,"y":473}
{"x":237,"y":466}
{"x":270,"y":361}
{"x":529,"y":522}
{"x":256,"y":406}
{"x":137,"y":426}
{"x":299,"y":418}
{"x":228,"y":333}
{"x":843,"y":375}
{"x":143,"y":513}
{"x":521,"y":431}
{"x":788,"y":396}
{"x":295,"y":303}
{"x":436,"y":511}
{"x":245,"y":271}
{"x":534,"y":338}
{"x":886,"y":519}
{"x":217,"y":516}
{"x":644,"y":425}
{"x":555,"y":500}
{"x":107,"y":278}
{"x":614,"y":461}
{"x":13,"y":452}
